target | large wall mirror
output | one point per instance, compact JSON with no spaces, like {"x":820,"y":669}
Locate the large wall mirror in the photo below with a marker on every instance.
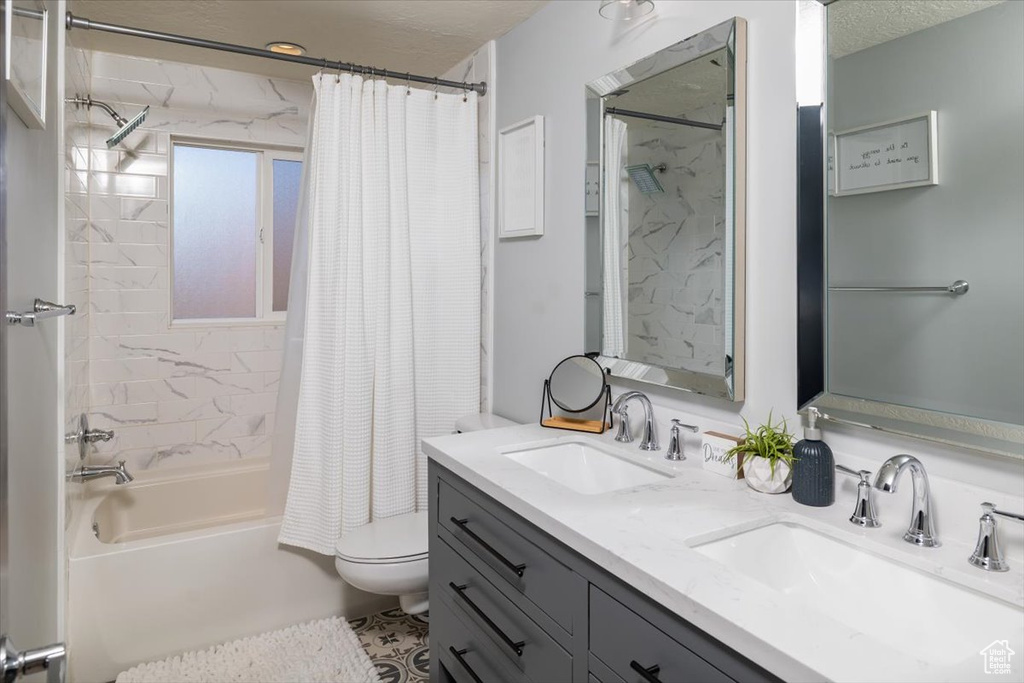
{"x":665,"y":234}
{"x":911,"y":218}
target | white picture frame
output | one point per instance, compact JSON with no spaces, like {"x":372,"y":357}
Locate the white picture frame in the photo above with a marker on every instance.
{"x":26,"y":41}
{"x":521,"y":179}
{"x":891,"y":155}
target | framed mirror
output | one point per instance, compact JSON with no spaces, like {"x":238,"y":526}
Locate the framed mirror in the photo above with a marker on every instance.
{"x":25,"y":28}
{"x":910,"y":215}
{"x":666,"y":243}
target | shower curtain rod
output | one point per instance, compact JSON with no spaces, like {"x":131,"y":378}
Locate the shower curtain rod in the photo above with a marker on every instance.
{"x":658,"y":117}
{"x":73,"y":22}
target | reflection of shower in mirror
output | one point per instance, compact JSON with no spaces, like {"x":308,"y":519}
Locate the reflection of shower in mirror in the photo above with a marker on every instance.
{"x":643,"y":177}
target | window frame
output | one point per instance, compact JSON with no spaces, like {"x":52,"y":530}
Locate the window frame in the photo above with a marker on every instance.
{"x":264,"y":237}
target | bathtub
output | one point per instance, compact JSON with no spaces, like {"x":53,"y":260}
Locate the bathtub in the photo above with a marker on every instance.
{"x":185,"y":559}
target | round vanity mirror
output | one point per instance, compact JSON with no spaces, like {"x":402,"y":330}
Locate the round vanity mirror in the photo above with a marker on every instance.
{"x":577,"y":384}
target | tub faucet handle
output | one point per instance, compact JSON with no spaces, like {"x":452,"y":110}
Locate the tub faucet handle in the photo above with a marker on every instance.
{"x":94,"y":435}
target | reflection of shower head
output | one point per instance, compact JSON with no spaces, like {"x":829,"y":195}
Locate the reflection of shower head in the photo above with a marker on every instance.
{"x":125,"y":127}
{"x":642,"y":176}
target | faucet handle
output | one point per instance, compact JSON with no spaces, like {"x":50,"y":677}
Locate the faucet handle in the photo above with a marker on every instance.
{"x":675,"y":445}
{"x":988,"y":554}
{"x":864,"y":513}
{"x":676,"y":424}
{"x":624,"y":435}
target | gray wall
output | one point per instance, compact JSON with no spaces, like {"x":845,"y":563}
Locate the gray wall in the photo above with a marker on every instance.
{"x":964,"y":354}
{"x":543,"y":65}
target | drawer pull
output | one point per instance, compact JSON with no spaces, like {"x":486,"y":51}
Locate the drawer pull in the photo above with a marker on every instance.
{"x":515,"y":646}
{"x":516,"y":569}
{"x":465,"y":665}
{"x":649,"y":674}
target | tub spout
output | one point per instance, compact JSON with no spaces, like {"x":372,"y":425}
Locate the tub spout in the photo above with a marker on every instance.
{"x":89,"y":472}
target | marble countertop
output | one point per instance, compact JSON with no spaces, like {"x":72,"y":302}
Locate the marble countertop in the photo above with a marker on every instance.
{"x":645,"y":536}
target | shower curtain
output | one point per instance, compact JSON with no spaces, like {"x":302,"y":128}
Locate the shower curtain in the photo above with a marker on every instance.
{"x":383,"y":327}
{"x":615,"y":239}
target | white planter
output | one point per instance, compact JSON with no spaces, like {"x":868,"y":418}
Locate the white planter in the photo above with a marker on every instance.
{"x":758,"y":473}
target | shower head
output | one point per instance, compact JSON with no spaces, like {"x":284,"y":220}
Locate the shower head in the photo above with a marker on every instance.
{"x":124,"y":126}
{"x":127,"y":126}
{"x":642,"y":176}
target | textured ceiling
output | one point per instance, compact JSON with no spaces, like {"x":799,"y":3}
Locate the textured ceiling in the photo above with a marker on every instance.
{"x":426,"y":37}
{"x":855,"y":25}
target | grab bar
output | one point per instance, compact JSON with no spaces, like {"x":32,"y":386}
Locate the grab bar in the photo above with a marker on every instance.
{"x":41,"y":310}
{"x":958,"y":288}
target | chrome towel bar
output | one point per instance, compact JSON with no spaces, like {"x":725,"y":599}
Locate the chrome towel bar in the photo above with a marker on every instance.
{"x":958,"y":288}
{"x":41,"y":310}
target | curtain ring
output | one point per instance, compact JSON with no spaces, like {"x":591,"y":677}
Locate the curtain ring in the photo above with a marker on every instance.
{"x":465,"y":94}
{"x":435,"y":86}
{"x":408,"y":84}
{"x":337,"y":76}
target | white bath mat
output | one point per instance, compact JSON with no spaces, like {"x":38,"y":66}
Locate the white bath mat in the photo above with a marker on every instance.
{"x":325,"y":651}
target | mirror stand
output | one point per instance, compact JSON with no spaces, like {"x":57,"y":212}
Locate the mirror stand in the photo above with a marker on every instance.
{"x":575,"y":424}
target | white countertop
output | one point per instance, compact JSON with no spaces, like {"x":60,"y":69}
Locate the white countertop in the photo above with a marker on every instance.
{"x":644,"y":536}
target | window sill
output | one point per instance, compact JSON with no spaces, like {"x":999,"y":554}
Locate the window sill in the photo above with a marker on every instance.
{"x":202,"y":323}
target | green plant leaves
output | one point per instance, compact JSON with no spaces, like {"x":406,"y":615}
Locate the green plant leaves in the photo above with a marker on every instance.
{"x":770,"y":441}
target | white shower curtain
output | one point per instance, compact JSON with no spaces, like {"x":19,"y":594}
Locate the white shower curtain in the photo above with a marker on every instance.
{"x":383,"y":330}
{"x":615,"y":239}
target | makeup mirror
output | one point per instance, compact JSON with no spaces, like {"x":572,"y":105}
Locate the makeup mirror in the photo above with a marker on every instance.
{"x":577,"y":385}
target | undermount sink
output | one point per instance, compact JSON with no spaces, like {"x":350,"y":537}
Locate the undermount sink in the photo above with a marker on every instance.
{"x":911,"y":610}
{"x":583,"y":466}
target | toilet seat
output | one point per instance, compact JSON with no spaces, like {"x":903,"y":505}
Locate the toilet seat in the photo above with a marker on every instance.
{"x":395,"y":540}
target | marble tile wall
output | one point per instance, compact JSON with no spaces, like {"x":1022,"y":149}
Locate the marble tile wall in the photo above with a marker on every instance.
{"x":676,"y":239}
{"x":77,"y":134}
{"x":173,"y":394}
{"x":479,"y":66}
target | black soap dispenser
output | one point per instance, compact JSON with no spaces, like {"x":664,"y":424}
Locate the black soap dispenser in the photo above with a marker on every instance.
{"x":814,"y":469}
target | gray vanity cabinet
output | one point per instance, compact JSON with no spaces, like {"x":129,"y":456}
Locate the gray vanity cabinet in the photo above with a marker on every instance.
{"x":510,"y":603}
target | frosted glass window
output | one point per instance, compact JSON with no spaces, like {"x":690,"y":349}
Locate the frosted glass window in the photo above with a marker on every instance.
{"x":216,"y":214}
{"x":287,"y":178}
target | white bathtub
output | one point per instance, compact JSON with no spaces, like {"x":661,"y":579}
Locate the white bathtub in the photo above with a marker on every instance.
{"x":182,"y":560}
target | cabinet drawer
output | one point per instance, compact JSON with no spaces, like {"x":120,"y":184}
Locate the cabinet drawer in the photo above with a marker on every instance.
{"x":524,"y":566}
{"x":521,"y":641}
{"x":465,"y":652}
{"x":626,"y":643}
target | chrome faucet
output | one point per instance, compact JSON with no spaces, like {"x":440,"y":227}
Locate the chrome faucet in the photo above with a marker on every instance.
{"x":864,"y":514}
{"x":922,"y":525}
{"x":987,"y":554}
{"x":649,"y":442}
{"x":675,"y":443}
{"x":89,"y":472}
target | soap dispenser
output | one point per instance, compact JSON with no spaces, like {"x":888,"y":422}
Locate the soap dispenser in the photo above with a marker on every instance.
{"x":814,"y":469}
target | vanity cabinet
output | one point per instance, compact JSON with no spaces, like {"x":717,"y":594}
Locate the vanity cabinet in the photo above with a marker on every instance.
{"x":510,"y":603}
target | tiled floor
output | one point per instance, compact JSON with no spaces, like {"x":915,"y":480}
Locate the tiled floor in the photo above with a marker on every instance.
{"x":398,"y":644}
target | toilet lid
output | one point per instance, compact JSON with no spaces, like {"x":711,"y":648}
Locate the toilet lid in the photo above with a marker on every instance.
{"x":401,"y":538}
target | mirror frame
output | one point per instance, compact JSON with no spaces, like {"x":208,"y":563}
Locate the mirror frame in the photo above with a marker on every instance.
{"x":728,"y":34}
{"x":812,"y":276}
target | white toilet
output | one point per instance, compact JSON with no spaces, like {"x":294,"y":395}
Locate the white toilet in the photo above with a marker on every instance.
{"x":389,"y":556}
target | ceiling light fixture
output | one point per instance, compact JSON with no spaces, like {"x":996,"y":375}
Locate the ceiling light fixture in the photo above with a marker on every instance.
{"x":625,"y":10}
{"x":285,"y":48}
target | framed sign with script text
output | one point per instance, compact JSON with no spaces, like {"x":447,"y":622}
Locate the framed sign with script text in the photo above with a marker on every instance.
{"x":892,"y":155}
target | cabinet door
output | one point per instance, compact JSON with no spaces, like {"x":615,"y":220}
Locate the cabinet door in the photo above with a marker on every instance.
{"x":639,"y":652}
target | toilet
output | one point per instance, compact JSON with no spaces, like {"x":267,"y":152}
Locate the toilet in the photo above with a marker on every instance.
{"x":389,"y":556}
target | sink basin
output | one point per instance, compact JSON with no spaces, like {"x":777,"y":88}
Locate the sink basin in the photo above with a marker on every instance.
{"x":904,"y":608}
{"x":584,"y":467}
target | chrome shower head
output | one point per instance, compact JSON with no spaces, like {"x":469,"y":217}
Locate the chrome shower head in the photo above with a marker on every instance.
{"x":642,"y":176}
{"x":127,"y":126}
{"x":124,"y":126}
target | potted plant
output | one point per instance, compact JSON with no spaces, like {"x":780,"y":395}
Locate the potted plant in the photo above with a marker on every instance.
{"x":767,"y":456}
